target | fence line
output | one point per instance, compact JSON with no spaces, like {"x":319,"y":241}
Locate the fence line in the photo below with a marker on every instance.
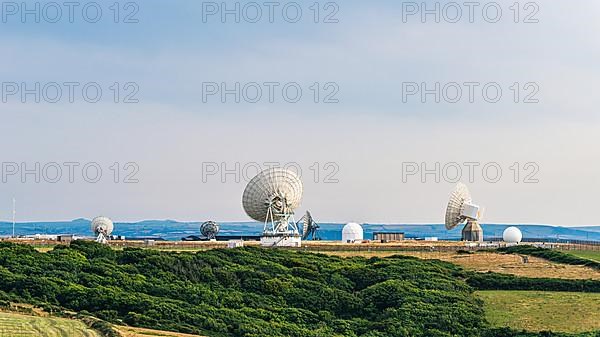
{"x":408,"y":245}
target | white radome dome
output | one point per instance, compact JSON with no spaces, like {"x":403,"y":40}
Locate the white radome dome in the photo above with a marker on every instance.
{"x":352,"y":232}
{"x":512,"y":235}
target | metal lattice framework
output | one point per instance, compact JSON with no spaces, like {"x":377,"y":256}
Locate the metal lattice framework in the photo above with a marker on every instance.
{"x":102,"y":228}
{"x":209,"y":229}
{"x":309,"y":227}
{"x":271,"y":197}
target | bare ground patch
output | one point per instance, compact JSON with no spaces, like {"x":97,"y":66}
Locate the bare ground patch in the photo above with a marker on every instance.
{"x":499,"y":263}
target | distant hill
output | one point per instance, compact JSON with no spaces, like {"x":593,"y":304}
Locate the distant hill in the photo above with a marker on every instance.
{"x":589,"y":228}
{"x":174,"y":230}
{"x":333,"y":231}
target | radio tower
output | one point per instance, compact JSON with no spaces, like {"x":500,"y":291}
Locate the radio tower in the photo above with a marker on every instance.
{"x":14,"y":215}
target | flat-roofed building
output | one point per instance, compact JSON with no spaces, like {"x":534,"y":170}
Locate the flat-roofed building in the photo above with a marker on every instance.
{"x":388,"y":237}
{"x":65,"y":238}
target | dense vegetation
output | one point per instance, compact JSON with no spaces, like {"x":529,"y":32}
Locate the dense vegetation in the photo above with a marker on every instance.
{"x":249,"y":291}
{"x":551,"y":255}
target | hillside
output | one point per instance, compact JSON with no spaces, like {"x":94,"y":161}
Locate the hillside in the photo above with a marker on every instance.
{"x":484,"y":262}
{"x":543,"y":310}
{"x":253,"y":292}
{"x":127,"y":331}
{"x":246,"y":292}
{"x":13,"y":324}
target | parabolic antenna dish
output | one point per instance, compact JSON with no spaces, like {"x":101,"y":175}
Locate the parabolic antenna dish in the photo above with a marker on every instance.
{"x":274,"y":192}
{"x":102,"y":225}
{"x":209,"y":229}
{"x":309,"y":227}
{"x":458,"y":199}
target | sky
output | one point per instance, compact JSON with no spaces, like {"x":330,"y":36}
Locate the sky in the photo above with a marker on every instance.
{"x":159,"y":114}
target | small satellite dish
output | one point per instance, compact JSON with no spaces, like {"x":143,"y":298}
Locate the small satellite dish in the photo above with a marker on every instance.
{"x":102,"y":228}
{"x":271,"y":197}
{"x":512,"y":235}
{"x":460,"y":209}
{"x":309,"y":227}
{"x":209,"y":230}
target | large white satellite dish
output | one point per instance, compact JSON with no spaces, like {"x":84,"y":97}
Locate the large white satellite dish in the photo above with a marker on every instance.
{"x":271,"y":197}
{"x":460,"y":209}
{"x":102,"y":228}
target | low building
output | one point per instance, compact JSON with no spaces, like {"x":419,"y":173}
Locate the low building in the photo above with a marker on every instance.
{"x":235,"y":244}
{"x":65,"y":238}
{"x":388,"y":237}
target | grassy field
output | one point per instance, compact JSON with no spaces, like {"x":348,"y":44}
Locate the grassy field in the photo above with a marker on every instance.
{"x":15,"y":325}
{"x":586,"y":254}
{"x":499,"y":263}
{"x":540,"y":310}
{"x":20,"y":325}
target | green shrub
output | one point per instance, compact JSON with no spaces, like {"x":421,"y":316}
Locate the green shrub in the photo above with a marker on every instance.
{"x":551,"y":255}
{"x":495,"y":281}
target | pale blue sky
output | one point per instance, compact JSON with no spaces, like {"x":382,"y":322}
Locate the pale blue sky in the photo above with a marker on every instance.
{"x":170,"y":133}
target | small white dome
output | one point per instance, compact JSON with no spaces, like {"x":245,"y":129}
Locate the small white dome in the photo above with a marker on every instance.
{"x":512,"y":235}
{"x":352,"y":232}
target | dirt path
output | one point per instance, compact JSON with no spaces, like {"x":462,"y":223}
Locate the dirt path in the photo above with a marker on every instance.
{"x":127,"y":331}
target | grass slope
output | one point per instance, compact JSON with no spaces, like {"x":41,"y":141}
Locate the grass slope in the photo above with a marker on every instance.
{"x":542,"y":310}
{"x":15,"y":325}
{"x":586,"y":254}
{"x":254,"y":292}
{"x":551,"y":255}
{"x":499,"y":263}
